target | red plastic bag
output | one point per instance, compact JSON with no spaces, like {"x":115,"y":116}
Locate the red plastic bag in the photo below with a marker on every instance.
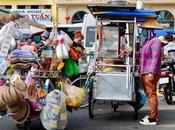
{"x":73,"y":54}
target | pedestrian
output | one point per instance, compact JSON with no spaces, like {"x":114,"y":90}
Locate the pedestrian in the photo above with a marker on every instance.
{"x":150,"y":68}
{"x":170,"y":45}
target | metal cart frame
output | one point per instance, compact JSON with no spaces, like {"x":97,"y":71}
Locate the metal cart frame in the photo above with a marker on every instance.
{"x":118,"y":86}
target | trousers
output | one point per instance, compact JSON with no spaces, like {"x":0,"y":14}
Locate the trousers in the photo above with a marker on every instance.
{"x":150,"y":88}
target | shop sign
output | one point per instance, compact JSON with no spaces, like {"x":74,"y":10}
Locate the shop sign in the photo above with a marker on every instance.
{"x":37,"y":15}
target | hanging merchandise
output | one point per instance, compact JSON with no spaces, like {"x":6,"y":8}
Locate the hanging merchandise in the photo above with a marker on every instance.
{"x":73,"y":54}
{"x":71,"y":68}
{"x":7,"y":44}
{"x":23,"y":59}
{"x":67,"y":39}
{"x":10,"y":30}
{"x":74,"y":95}
{"x":20,"y":112}
{"x":3,"y":66}
{"x":54,"y":114}
{"x":19,"y":84}
{"x":60,"y":66}
{"x":61,"y":51}
{"x":3,"y":106}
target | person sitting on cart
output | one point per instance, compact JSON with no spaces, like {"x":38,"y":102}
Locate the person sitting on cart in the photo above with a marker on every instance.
{"x":77,"y":43}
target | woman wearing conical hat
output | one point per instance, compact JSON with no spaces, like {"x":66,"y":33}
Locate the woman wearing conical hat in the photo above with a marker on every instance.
{"x":150,"y":68}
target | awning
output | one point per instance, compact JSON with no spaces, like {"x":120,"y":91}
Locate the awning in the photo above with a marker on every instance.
{"x":120,"y":12}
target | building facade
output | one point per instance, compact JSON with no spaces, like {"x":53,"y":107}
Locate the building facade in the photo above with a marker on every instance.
{"x":75,"y":9}
{"x":72,"y":11}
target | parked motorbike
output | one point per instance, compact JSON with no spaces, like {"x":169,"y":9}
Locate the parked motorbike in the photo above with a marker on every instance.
{"x":167,"y":80}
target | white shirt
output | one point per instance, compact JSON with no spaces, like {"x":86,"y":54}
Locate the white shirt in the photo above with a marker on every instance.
{"x":169,"y":46}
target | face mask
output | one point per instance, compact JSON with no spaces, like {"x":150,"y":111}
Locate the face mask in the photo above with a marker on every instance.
{"x":144,"y":33}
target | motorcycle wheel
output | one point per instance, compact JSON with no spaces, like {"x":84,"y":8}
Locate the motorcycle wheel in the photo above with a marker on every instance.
{"x":168,"y":93}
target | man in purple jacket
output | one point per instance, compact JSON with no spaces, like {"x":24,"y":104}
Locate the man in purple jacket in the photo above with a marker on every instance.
{"x":150,"y":69}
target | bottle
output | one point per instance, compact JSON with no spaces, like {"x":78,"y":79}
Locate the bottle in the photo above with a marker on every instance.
{"x":139,"y":5}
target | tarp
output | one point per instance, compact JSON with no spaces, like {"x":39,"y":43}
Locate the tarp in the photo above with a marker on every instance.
{"x":165,"y":32}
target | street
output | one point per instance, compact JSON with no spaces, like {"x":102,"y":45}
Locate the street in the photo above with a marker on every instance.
{"x":106,"y":119}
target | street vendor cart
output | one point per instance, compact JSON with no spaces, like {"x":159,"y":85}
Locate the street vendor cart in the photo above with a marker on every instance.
{"x":115,"y":67}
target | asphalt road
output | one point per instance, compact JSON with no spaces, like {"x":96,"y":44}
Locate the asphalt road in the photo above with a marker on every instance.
{"x":106,"y":119}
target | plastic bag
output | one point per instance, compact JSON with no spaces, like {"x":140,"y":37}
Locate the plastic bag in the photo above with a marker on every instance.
{"x":64,"y":52}
{"x":54,"y":114}
{"x":53,"y":34}
{"x":75,"y":95}
{"x":71,"y":68}
{"x":25,"y":33}
{"x":61,"y":51}
{"x":3,"y":66}
{"x":83,"y":66}
{"x":68,"y":40}
{"x":11,"y":30}
{"x":73,"y":54}
{"x":7,"y":44}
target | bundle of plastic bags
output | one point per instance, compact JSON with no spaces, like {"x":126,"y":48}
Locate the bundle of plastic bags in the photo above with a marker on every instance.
{"x":54,"y":114}
{"x":75,"y":95}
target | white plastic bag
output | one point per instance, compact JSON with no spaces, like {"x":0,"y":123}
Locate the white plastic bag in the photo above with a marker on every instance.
{"x":67,"y":39}
{"x":64,"y":52}
{"x":7,"y":44}
{"x":54,"y":114}
{"x":53,"y":34}
{"x":3,"y":66}
{"x":61,"y":50}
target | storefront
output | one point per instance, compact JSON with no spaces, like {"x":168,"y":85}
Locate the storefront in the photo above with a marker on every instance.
{"x":42,"y":16}
{"x":32,"y":5}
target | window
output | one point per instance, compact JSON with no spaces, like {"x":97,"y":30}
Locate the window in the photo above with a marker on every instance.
{"x":21,"y":6}
{"x":8,"y":6}
{"x":34,"y":7}
{"x":78,"y":17}
{"x":166,"y":19}
{"x":47,"y":6}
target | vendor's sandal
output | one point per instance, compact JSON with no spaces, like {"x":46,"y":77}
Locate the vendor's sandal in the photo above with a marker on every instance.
{"x":148,"y":121}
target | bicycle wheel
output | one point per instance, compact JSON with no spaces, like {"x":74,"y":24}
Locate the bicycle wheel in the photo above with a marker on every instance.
{"x":91,"y":102}
{"x":84,"y":83}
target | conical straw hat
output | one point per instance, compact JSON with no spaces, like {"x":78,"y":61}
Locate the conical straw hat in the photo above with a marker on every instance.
{"x":2,"y":89}
{"x":10,"y":97}
{"x":22,"y":115}
{"x":151,"y":23}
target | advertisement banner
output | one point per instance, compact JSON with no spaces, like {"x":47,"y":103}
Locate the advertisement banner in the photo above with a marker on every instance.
{"x":37,"y":15}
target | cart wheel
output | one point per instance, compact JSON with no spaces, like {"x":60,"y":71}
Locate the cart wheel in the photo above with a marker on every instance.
{"x":168,"y":93}
{"x":42,"y":127}
{"x":114,"y":105}
{"x":91,"y":103}
{"x":21,"y":126}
